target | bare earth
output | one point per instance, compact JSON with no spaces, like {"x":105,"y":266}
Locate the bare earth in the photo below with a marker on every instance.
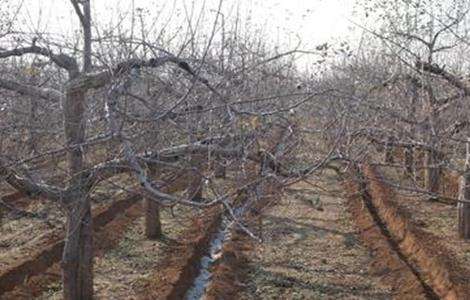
{"x":310,"y":250}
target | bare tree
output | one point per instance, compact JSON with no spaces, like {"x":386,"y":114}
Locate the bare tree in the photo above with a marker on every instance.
{"x":154,"y":114}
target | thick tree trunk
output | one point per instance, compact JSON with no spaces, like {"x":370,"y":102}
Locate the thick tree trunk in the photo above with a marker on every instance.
{"x":74,"y":123}
{"x":464,"y":195}
{"x":195,"y":179}
{"x":152,"y":223}
{"x":77,"y":257}
{"x":153,"y":226}
{"x":464,"y":207}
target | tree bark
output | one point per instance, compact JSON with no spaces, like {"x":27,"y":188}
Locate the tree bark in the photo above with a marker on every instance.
{"x":195,"y":188}
{"x":389,"y":151}
{"x":32,"y":119}
{"x":464,"y":195}
{"x":153,"y":226}
{"x":152,"y":223}
{"x":410,"y":168}
{"x":87,"y":64}
{"x":432,"y":173}
{"x":196,"y":179}
{"x":74,"y":123}
{"x":77,"y":257}
{"x":409,"y":161}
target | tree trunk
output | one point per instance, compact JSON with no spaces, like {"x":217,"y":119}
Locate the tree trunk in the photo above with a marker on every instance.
{"x":220,"y":170}
{"x":195,"y":188}
{"x":86,"y":36}
{"x":195,"y":181}
{"x":409,"y":161}
{"x":389,"y":151}
{"x":77,"y":257}
{"x":74,"y":123}
{"x":152,"y":223}
{"x":464,"y":195}
{"x":153,"y":226}
{"x":33,"y":119}
{"x":410,"y":167}
{"x":432,"y":173}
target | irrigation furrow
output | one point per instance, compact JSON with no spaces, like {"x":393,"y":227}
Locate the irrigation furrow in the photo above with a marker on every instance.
{"x":176,"y":272}
{"x":39,"y":262}
{"x":413,"y":262}
{"x":195,"y":269}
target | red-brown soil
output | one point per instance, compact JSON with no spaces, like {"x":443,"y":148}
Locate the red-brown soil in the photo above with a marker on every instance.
{"x":227,"y":275}
{"x":427,"y":255}
{"x":394,"y":270}
{"x":310,"y":250}
{"x":176,"y":271}
{"x":34,"y":271}
{"x":230,"y":268}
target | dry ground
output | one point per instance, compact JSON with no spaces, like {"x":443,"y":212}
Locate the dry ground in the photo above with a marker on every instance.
{"x":311,"y":250}
{"x":120,"y":272}
{"x":437,"y":218}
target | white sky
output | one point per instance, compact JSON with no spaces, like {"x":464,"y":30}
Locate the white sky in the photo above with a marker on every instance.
{"x":315,"y":21}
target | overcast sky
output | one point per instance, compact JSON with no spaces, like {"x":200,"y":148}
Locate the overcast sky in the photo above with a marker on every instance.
{"x":314,"y":21}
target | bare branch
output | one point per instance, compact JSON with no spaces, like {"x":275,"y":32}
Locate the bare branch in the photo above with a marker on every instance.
{"x":62,"y":60}
{"x":30,"y":90}
{"x":30,"y":187}
{"x":437,"y":70}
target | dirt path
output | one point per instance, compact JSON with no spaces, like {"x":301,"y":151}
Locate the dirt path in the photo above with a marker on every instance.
{"x":311,"y":250}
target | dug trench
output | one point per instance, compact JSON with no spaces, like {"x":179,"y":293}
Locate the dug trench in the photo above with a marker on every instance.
{"x":228,"y":271}
{"x":387,"y":262}
{"x":180,"y":264}
{"x":413,"y":262}
{"x":207,"y":260}
{"x":31,"y":274}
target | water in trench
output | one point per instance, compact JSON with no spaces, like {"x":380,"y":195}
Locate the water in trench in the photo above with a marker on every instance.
{"x":202,"y":281}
